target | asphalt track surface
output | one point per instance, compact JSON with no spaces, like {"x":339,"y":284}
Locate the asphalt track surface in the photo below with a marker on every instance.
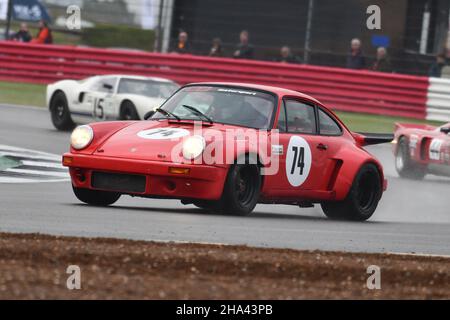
{"x":413,"y":217}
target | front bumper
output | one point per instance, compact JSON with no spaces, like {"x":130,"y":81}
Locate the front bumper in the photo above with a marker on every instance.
{"x":200,"y":181}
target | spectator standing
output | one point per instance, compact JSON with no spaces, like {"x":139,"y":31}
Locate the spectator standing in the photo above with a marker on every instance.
{"x":23,"y":35}
{"x":182,"y":46}
{"x":355,"y":59}
{"x":382,"y":63}
{"x":216,"y":48}
{"x":44,"y":35}
{"x":244,"y":49}
{"x":437,"y":66}
{"x":286,"y":56}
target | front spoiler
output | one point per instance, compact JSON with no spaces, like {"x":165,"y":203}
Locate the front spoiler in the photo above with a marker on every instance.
{"x":202,"y":181}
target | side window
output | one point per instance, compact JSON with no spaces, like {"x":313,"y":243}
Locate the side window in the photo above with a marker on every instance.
{"x":328,"y":126}
{"x":282,"y":119}
{"x":300,"y":117}
{"x":105,"y":85}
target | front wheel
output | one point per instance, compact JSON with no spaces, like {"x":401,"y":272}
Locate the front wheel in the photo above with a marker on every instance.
{"x":96,"y":197}
{"x":241,"y":190}
{"x":59,"y":111}
{"x":362,"y":199}
{"x":404,"y":164}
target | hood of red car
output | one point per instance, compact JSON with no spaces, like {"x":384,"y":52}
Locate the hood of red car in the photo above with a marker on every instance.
{"x":151,"y":140}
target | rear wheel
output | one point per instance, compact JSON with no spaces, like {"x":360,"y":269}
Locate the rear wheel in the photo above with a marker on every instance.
{"x":60,"y":113}
{"x":241,"y":190}
{"x":128,"y":111}
{"x":362,"y":199}
{"x":404,"y":164}
{"x":96,"y":197}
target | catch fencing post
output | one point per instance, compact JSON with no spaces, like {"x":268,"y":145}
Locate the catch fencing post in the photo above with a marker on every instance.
{"x":308,"y":31}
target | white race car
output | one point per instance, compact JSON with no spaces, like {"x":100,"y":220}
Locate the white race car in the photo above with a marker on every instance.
{"x":108,"y":97}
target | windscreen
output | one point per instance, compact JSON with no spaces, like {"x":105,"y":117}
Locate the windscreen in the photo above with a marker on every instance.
{"x":234,"y":106}
{"x":148,"y":88}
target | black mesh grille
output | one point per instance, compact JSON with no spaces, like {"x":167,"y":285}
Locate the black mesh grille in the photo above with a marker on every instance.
{"x":118,"y":182}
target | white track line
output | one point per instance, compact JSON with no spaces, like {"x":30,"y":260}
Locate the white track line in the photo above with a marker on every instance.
{"x":231,"y":245}
{"x":33,"y":159}
{"x":425,"y":255}
{"x":43,"y":164}
{"x":37,"y":172}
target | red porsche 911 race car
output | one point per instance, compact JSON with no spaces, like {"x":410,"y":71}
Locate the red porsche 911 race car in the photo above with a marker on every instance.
{"x":420,"y":149}
{"x":225,"y":147}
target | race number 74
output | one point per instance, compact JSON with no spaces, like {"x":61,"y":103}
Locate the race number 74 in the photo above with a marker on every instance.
{"x":299,"y":159}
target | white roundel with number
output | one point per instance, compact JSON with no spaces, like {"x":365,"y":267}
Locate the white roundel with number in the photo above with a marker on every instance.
{"x":298,"y":161}
{"x":163,"y":133}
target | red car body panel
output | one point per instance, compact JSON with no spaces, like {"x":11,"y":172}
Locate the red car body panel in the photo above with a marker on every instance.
{"x":427,"y":145}
{"x":116,"y":148}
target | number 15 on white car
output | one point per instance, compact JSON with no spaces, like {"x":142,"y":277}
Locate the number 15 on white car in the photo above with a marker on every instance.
{"x":109,"y":97}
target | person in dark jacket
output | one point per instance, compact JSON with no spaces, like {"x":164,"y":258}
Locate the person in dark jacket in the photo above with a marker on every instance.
{"x":355,"y":59}
{"x":286,"y":56}
{"x":382,"y":63}
{"x":244,"y":49}
{"x":436,"y":68}
{"x":216,"y":48}
{"x":182,"y":46}
{"x":44,"y":35}
{"x":23,"y":35}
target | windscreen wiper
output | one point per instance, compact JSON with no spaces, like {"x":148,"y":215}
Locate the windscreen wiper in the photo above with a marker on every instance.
{"x":198,"y":113}
{"x":167,"y":113}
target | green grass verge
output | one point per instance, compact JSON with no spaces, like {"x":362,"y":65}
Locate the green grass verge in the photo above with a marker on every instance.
{"x":34,"y":94}
{"x":372,"y":123}
{"x":22,"y":93}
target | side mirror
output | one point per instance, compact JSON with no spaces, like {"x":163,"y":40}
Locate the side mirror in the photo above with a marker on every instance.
{"x":107,"y":86}
{"x":445,"y":130}
{"x":149,"y":114}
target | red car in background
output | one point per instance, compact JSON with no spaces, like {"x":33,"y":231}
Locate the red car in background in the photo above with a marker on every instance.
{"x":226,"y":147}
{"x":421,"y":149}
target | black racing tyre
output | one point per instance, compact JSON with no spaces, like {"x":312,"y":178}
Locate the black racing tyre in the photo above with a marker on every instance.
{"x":128,"y":111}
{"x":362,"y":199}
{"x":404,"y":165}
{"x":96,"y":197}
{"x":59,"y":111}
{"x":241,"y":190}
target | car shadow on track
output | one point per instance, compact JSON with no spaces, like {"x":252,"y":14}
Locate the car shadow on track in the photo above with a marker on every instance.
{"x":201,"y":212}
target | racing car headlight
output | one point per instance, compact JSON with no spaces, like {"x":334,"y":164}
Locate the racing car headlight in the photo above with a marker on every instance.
{"x":193,"y":147}
{"x":81,"y":137}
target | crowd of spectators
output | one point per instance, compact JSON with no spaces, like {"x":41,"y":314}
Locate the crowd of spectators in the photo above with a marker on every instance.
{"x":43,"y":36}
{"x":355,"y":59}
{"x":245,"y":50}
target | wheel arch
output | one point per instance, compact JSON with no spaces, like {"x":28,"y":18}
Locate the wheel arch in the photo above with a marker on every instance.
{"x":350,"y":168}
{"x":121,"y":106}
{"x":255,"y":159}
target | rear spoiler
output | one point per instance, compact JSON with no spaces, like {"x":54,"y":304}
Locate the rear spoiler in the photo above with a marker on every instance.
{"x":367,"y":139}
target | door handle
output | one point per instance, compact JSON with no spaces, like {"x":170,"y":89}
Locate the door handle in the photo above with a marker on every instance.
{"x":322,"y":146}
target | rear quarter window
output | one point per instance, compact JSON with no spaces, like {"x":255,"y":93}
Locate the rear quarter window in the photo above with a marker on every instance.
{"x":327,"y":125}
